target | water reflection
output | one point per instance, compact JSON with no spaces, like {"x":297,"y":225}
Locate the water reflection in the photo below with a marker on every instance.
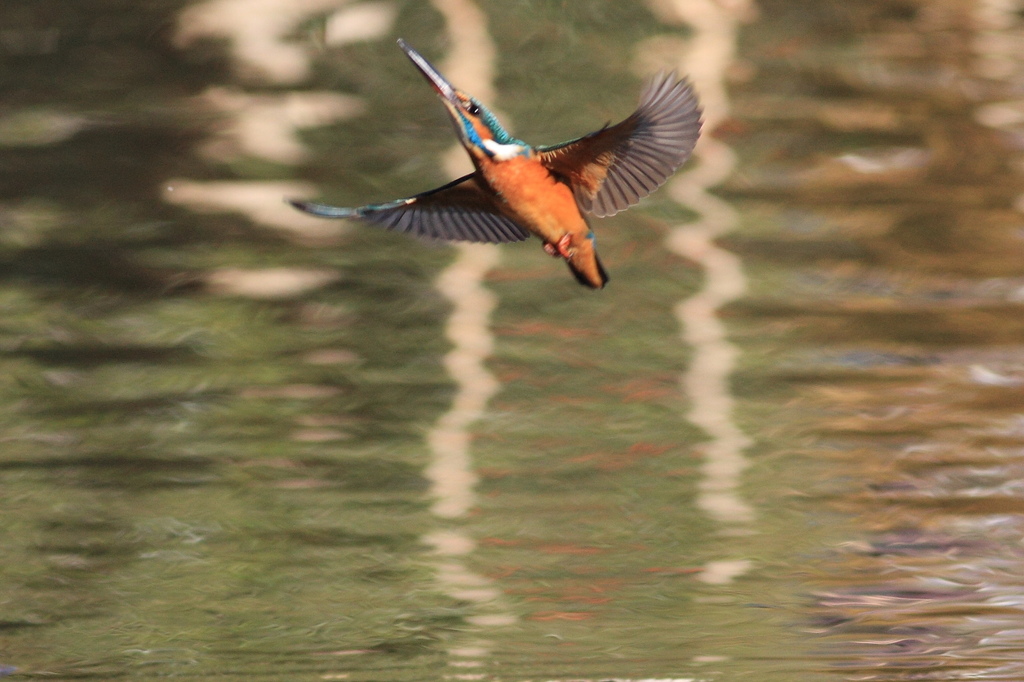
{"x":261,"y":34}
{"x":239,"y":444}
{"x":896,"y":280}
{"x":706,"y":384}
{"x":267,"y":126}
{"x":451,"y":470}
{"x":260,"y":201}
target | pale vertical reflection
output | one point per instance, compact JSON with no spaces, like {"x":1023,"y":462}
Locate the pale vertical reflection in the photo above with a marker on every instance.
{"x":706,"y":382}
{"x":470,"y":66}
{"x":705,"y":58}
{"x":450,"y":471}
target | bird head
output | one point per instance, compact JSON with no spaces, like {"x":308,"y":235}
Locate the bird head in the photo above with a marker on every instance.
{"x":478,"y":129}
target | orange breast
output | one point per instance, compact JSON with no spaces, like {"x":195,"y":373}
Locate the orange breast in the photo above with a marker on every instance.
{"x":533,"y":198}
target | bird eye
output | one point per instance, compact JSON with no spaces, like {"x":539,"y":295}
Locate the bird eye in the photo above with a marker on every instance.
{"x":473,"y":109}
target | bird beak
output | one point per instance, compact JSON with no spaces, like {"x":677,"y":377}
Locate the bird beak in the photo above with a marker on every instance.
{"x":433,"y":76}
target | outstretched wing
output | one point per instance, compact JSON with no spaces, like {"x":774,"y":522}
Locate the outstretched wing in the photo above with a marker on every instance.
{"x":459,"y":211}
{"x":613,"y":168}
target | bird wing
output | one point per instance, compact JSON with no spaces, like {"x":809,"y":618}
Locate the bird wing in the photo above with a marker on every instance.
{"x":459,"y":211}
{"x":613,"y":168}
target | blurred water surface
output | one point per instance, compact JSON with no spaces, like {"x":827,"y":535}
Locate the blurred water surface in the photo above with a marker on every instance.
{"x":785,"y":443}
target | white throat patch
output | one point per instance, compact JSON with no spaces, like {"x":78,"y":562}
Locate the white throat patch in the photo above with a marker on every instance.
{"x":503,"y":152}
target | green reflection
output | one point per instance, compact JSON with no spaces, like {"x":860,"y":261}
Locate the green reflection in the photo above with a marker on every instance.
{"x":199,"y":482}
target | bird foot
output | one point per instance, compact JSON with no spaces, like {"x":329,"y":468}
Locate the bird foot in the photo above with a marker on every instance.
{"x":559,"y":250}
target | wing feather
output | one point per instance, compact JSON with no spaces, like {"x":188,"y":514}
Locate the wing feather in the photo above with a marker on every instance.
{"x":613,"y":168}
{"x":462,"y":210}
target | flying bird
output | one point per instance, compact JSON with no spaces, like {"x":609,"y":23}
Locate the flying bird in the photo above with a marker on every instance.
{"x":548,"y":191}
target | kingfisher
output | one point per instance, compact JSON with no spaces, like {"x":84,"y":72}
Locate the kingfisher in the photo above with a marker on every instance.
{"x":518,"y":190}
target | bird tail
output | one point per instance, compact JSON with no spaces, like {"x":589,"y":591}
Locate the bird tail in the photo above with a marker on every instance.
{"x":588,"y":270}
